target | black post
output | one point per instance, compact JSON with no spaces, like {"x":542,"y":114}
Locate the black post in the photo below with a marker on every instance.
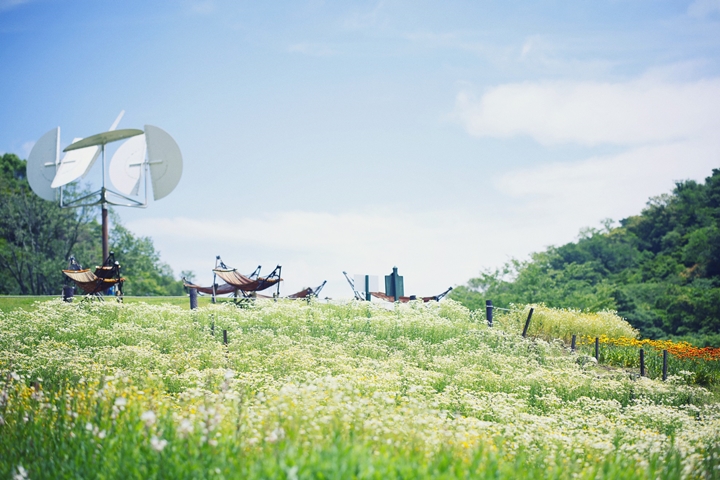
{"x":225,"y":337}
{"x":642,"y":362}
{"x":572,"y":343}
{"x":664,"y":365}
{"x":68,"y":293}
{"x":489,"y":312}
{"x":193,"y":298}
{"x":212,"y":327}
{"x":527,"y":322}
{"x":597,"y":349}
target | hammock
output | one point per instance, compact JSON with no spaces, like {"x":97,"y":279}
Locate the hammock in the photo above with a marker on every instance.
{"x":305,"y":293}
{"x":236,"y":282}
{"x":388,"y":298}
{"x":102,"y":279}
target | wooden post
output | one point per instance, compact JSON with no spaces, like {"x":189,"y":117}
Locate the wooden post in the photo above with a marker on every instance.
{"x":193,"y":299}
{"x":597,"y":349}
{"x":572,"y":343}
{"x":527,"y":322}
{"x":642,"y":362}
{"x":225,"y":337}
{"x":664,"y":365}
{"x":489,"y":312}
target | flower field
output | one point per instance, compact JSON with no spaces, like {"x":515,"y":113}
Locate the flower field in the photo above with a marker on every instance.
{"x":105,"y":390}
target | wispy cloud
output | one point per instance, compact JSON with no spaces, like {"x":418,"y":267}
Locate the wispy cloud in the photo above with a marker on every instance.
{"x":200,"y":7}
{"x":312,"y":49}
{"x":8,"y":4}
{"x":646,"y":110}
{"x":703,"y":8}
{"x":364,"y":19}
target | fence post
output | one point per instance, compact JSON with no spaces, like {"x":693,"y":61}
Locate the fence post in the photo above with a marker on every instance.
{"x":489,"y":312}
{"x":597,"y":349}
{"x":193,"y":298}
{"x":68,"y":293}
{"x":527,"y":322}
{"x":642,"y":362}
{"x":664,"y":365}
{"x":225,"y":337}
{"x":572,"y":343}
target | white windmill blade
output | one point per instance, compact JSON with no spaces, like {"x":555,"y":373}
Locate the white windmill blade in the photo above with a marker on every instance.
{"x":42,"y":162}
{"x":117,"y":121}
{"x":126,"y":165}
{"x":74,"y":165}
{"x":165,"y":161}
{"x":97,"y":152}
{"x":77,"y":163}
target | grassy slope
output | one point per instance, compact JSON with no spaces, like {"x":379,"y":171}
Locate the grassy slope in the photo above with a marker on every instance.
{"x":329,"y":391}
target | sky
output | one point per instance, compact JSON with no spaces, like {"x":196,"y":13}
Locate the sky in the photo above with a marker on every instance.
{"x":444,"y":138}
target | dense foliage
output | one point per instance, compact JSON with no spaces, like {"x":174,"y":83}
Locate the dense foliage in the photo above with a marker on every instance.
{"x":660,"y":270}
{"x":300,"y":391}
{"x":37,"y":238}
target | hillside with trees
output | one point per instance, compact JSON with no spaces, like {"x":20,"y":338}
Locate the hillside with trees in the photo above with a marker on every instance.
{"x":660,"y":269}
{"x":37,"y":238}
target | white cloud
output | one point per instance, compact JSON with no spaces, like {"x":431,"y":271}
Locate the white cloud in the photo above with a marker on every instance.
{"x":312,"y":49}
{"x":200,"y":7}
{"x":646,"y":110}
{"x":614,"y":186}
{"x":433,"y":251}
{"x":27,"y":148}
{"x":703,"y":8}
{"x":8,"y":4}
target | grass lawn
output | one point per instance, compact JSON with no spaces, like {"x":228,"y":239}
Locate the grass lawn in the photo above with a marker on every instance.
{"x":9,"y":303}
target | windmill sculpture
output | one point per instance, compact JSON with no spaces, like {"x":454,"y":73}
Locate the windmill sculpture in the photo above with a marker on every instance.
{"x":129,"y":167}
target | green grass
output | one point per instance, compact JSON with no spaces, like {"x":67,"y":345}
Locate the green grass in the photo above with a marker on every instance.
{"x":9,"y":303}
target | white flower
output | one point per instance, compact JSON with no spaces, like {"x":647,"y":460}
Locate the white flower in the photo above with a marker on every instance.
{"x":89,"y":427}
{"x":121,"y":401}
{"x":292,"y":473}
{"x":185,"y":428}
{"x":158,"y":444}
{"x":149,"y":418}
{"x":275,"y":435}
{"x":16,"y":377}
{"x":101,"y":434}
{"x":229,"y":374}
{"x":21,"y":473}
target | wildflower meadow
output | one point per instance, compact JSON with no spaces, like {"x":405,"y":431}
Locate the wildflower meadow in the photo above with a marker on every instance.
{"x":298,"y":390}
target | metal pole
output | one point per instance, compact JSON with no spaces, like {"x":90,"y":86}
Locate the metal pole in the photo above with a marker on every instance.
{"x":527,"y":322}
{"x":664,"y":365}
{"x":368,"y":297}
{"x":573,"y":343}
{"x":193,"y":299}
{"x":489,"y":312}
{"x":642,"y":362}
{"x":597,"y":349}
{"x":105,"y":227}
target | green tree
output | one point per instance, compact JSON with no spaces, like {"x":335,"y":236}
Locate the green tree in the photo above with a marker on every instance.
{"x":37,"y":237}
{"x":659,"y":269}
{"x":140,"y":263}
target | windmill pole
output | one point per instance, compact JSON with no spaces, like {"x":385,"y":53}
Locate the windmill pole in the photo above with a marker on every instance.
{"x":105,"y":236}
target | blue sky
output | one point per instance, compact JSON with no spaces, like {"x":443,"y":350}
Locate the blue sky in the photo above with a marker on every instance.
{"x":441,"y":137}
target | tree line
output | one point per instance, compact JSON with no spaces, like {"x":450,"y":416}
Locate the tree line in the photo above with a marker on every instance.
{"x":37,"y":239}
{"x":660,"y":269}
